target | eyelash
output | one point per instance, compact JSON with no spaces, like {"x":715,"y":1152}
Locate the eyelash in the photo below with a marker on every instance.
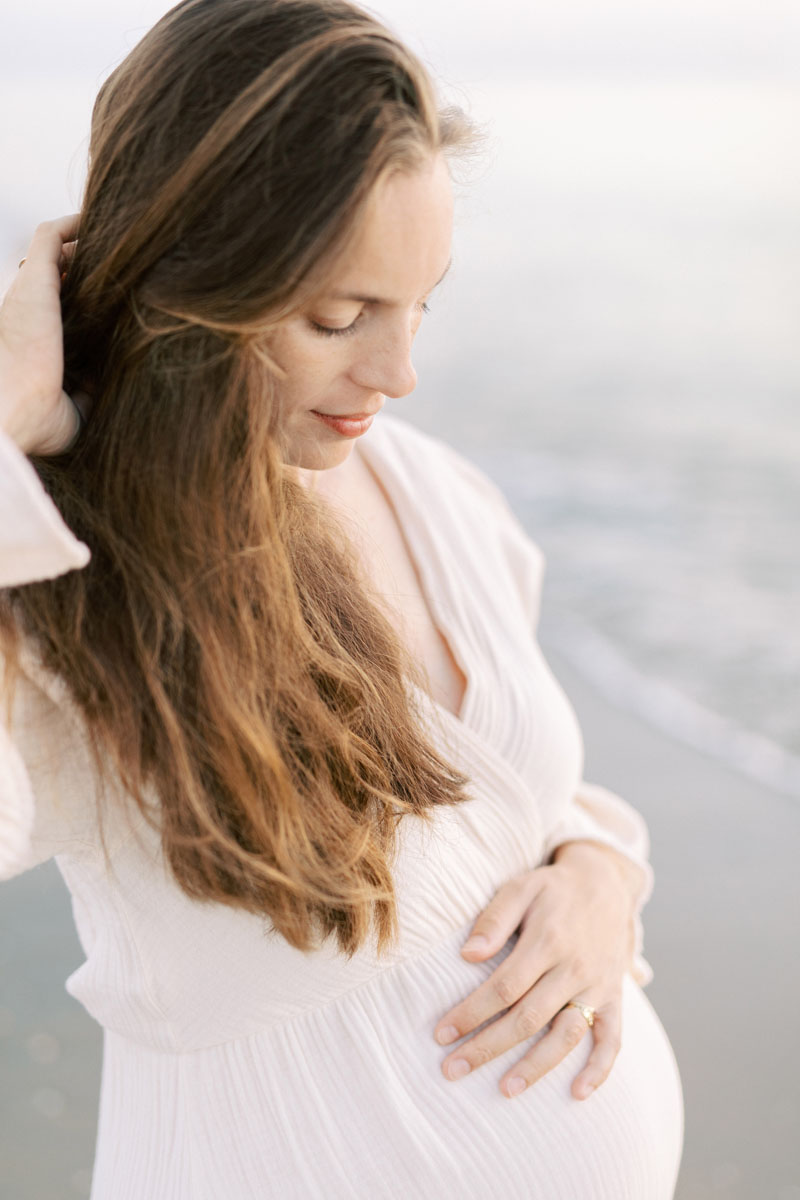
{"x":326,"y":331}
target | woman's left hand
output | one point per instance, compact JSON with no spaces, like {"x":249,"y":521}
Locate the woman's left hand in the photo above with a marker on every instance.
{"x":576,"y":939}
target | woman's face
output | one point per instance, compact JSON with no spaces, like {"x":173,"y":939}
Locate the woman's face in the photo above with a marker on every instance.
{"x":349,"y":348}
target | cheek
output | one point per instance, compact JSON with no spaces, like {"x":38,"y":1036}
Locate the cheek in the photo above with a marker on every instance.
{"x":313,"y":367}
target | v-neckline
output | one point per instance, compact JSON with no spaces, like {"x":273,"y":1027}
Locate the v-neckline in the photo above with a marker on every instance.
{"x":396,"y":496}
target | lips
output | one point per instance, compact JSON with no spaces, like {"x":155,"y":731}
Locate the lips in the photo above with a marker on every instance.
{"x":349,"y":427}
{"x":362,"y":416}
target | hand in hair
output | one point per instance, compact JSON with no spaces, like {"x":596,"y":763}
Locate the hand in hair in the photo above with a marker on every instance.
{"x":35,"y":411}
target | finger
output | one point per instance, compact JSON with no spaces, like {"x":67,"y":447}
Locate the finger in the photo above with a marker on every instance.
{"x":517,"y":974}
{"x":67,"y":254}
{"x":48,"y":240}
{"x":502,"y":915}
{"x":525,"y":1020}
{"x":607,"y":1030}
{"x":567,"y":1030}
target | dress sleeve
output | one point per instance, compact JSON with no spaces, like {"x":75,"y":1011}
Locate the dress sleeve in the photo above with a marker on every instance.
{"x":594,"y":813}
{"x":35,"y":544}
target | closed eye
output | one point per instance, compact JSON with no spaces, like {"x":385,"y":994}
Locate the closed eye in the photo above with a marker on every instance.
{"x":343,"y":331}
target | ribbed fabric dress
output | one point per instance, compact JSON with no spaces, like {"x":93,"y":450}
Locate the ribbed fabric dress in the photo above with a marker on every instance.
{"x":236,"y":1066}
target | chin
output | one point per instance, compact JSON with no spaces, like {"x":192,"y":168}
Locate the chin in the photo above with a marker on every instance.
{"x":321,"y":456}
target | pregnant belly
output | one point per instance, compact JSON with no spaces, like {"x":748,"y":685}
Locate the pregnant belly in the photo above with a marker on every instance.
{"x":441,"y":1138}
{"x":347,"y":1101}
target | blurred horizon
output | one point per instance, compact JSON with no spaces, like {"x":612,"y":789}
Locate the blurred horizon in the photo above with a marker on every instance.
{"x":706,"y":38}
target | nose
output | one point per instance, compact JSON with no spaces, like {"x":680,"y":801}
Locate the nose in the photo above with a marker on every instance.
{"x":385,"y":365}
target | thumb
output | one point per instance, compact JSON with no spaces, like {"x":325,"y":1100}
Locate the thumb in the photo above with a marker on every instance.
{"x":501,"y":917}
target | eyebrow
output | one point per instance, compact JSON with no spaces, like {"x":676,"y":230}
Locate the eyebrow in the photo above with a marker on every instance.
{"x":375,"y":299}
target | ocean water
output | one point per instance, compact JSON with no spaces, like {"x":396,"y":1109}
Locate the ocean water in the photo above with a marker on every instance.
{"x":618,"y":346}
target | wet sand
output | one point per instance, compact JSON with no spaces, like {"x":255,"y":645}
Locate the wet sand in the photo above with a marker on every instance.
{"x":721,"y":934}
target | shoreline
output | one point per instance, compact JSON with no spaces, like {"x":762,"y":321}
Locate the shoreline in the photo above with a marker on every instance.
{"x":720,"y":935}
{"x":663,"y":707}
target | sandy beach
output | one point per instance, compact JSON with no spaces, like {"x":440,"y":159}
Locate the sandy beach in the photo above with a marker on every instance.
{"x":720,"y":934}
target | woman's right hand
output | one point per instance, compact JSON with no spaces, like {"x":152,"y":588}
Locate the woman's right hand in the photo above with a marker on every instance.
{"x":35,"y":411}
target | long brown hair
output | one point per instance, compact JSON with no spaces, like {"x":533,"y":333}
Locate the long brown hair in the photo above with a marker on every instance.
{"x":222,"y":644}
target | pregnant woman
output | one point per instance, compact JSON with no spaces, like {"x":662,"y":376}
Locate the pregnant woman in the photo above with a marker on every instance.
{"x":354,"y":924}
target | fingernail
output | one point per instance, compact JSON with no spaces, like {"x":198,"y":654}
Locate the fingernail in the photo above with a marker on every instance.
{"x":587,"y":1090}
{"x":458,"y":1068}
{"x":447,"y":1035}
{"x":476,"y":943}
{"x":516,"y":1085}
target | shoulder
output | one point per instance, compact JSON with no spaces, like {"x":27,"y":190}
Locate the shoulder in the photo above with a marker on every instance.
{"x":460,"y":513}
{"x":412,"y":442}
{"x":434,"y":463}
{"x":437,"y":471}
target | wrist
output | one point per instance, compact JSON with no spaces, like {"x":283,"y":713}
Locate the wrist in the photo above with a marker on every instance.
{"x":587,"y":853}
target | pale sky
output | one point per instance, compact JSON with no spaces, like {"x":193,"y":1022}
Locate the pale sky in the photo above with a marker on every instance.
{"x":671,"y":77}
{"x":730,"y":37}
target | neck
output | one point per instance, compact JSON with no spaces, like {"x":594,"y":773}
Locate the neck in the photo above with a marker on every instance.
{"x":307,"y":477}
{"x":331,"y":482}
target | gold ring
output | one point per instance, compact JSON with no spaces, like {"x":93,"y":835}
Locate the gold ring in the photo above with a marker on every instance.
{"x":24,"y":260}
{"x":587,"y":1012}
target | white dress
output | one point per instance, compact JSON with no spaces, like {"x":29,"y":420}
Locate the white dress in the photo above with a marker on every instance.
{"x":238,"y":1067}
